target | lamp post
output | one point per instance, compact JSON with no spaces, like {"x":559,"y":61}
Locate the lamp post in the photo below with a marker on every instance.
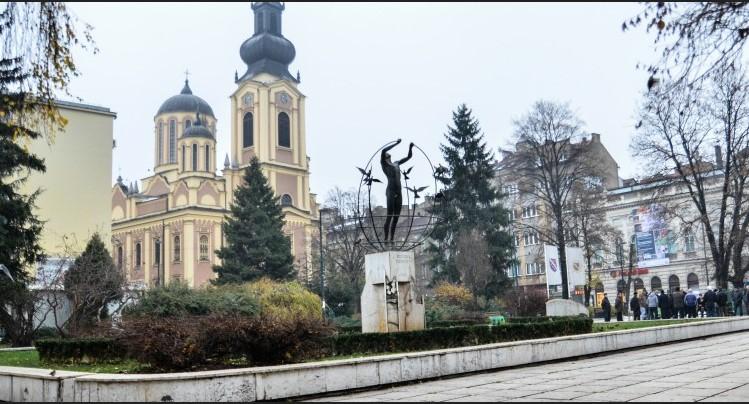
{"x":322,"y":261}
{"x":620,"y":258}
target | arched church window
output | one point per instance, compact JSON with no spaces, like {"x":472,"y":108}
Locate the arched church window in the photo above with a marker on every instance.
{"x":208,"y":158}
{"x":156,"y":252}
{"x":188,"y":124}
{"x":119,"y":257}
{"x":284,"y":130}
{"x":160,"y":147}
{"x":172,"y":141}
{"x":183,"y":157}
{"x":247,"y":128}
{"x":137,"y":255}
{"x":195,"y":157}
{"x":177,"y":249}
{"x":204,"y":248}
{"x":286,"y":200}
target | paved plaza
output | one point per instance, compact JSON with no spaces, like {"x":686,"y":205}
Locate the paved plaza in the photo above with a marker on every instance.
{"x":709,"y":369}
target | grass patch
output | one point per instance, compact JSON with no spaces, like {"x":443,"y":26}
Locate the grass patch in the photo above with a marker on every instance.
{"x":30,"y":359}
{"x":630,"y":325}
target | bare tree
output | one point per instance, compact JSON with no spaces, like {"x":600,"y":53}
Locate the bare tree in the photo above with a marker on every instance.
{"x":474,"y":261}
{"x":695,"y":39}
{"x":678,"y":128}
{"x":549,"y":159}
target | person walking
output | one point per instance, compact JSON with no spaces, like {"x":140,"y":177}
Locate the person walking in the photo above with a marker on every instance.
{"x":722,"y":302}
{"x":606,"y":306}
{"x":634,"y":307}
{"x":619,"y":307}
{"x":690,"y":302}
{"x":653,"y":305}
{"x":663,"y":305}
{"x":679,"y":304}
{"x":738,"y":301}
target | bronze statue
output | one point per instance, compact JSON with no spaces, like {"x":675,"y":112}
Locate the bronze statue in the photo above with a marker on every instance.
{"x":393,"y":193}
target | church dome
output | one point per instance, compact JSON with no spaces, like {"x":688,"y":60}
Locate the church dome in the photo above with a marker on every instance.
{"x":267,"y":51}
{"x":197,"y":130}
{"x":185,"y":101}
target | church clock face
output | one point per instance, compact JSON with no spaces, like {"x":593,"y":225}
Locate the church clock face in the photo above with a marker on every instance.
{"x":284,"y":98}
{"x":247,"y":99}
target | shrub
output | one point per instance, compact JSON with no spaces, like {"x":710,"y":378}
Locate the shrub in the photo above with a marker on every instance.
{"x":186,"y":343}
{"x":79,"y":350}
{"x":528,"y":303}
{"x":285,"y":299}
{"x":451,"y":294}
{"x":439,"y":338}
{"x":46,"y":332}
{"x":178,"y":299}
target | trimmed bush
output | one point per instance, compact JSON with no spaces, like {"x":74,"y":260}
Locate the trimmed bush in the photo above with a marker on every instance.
{"x":79,"y":350}
{"x":456,"y":323}
{"x":453,"y":337}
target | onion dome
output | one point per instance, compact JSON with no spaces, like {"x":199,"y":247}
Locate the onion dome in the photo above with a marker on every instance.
{"x":185,"y":101}
{"x":267,"y":51}
{"x":197,"y":129}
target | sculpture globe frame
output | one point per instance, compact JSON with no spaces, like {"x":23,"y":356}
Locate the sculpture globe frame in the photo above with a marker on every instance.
{"x":410,"y":232}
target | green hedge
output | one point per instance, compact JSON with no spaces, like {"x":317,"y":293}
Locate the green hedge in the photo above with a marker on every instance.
{"x":453,"y":337}
{"x":79,"y":350}
{"x":456,"y":323}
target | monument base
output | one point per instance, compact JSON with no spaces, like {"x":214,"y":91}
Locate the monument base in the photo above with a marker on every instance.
{"x":565,"y":307}
{"x":389,"y":302}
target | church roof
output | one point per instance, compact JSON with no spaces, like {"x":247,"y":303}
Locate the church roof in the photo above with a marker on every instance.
{"x":197,"y":130}
{"x":267,"y":51}
{"x":185,"y":101}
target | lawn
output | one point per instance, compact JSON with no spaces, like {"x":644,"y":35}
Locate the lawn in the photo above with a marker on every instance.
{"x":629,"y":325}
{"x":30,"y":359}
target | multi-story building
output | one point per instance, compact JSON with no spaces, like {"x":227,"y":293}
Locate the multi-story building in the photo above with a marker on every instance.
{"x":531,"y":222}
{"x":170,"y":227}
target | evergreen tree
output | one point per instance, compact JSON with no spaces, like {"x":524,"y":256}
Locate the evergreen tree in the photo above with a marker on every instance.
{"x":470,"y":202}
{"x":92,"y":282}
{"x":256,"y":244}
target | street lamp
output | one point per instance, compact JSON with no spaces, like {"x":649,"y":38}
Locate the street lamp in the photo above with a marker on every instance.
{"x":322,"y":261}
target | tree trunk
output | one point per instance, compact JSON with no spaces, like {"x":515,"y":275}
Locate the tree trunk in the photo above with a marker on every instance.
{"x":562,"y":253}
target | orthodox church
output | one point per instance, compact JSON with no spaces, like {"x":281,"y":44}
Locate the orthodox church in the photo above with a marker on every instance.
{"x":170,"y":228}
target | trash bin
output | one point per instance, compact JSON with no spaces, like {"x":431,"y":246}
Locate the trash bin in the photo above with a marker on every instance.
{"x":497,"y":320}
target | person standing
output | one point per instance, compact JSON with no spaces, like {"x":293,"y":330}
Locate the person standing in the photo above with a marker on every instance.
{"x":606,"y":306}
{"x":711,"y":302}
{"x":619,"y":307}
{"x":738,"y":301}
{"x":634,"y":307}
{"x":679,"y":304}
{"x":701,"y":306}
{"x":663,"y":305}
{"x":722,"y":302}
{"x":690,"y":302}
{"x":643,"y":297}
{"x":653,"y":305}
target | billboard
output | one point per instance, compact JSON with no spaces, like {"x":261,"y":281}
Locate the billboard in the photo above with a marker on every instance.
{"x":653,"y":239}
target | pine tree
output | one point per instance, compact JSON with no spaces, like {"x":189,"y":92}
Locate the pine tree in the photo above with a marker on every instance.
{"x":256,"y":244}
{"x":470,"y":202}
{"x":92,"y":282}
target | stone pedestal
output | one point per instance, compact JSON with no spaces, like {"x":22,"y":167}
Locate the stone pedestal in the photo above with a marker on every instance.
{"x":389,"y":302}
{"x":562,"y":307}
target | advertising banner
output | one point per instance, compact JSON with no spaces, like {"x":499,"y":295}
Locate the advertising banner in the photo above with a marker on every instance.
{"x":654,"y":240}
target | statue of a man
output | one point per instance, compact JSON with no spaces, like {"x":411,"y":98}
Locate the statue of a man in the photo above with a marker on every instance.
{"x":393,"y":193}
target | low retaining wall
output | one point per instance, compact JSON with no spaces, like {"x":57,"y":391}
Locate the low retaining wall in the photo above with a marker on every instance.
{"x":286,"y":381}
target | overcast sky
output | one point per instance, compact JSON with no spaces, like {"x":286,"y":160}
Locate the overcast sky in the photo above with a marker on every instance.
{"x":372,"y":72}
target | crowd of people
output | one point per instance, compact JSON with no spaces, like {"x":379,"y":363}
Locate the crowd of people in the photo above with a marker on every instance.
{"x":658,"y":304}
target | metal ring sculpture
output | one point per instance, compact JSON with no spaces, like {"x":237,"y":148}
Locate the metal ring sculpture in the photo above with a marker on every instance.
{"x":371,"y":224}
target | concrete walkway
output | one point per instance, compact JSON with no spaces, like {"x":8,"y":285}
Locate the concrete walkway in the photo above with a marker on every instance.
{"x":708,"y":369}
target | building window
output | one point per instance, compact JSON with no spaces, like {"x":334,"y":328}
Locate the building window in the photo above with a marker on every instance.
{"x":517,"y":240}
{"x":530,"y":238}
{"x":204,"y":248}
{"x":529,"y":211}
{"x":655,"y":283}
{"x":284,"y":130}
{"x":621,"y":285}
{"x":160,"y":146}
{"x":512,"y":215}
{"x":156,"y":253}
{"x":673,"y":282}
{"x":137,"y":256}
{"x":195,"y":157}
{"x":693,"y":281}
{"x":513,"y":269}
{"x":639,"y":284}
{"x":177,"y":249}
{"x":273,"y":23}
{"x":188,"y":124}
{"x":247,"y":128}
{"x":119,"y":257}
{"x":689,"y":242}
{"x":534,"y":268}
{"x":172,"y":141}
{"x":259,"y":22}
{"x":511,"y":189}
{"x":183,"y":157}
{"x":286,"y":200}
{"x":208,"y":158}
